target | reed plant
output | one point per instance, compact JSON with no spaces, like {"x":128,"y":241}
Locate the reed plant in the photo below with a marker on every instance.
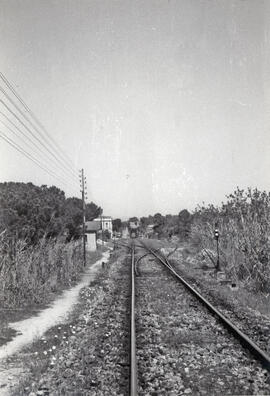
{"x":28,"y":274}
{"x":244,"y":227}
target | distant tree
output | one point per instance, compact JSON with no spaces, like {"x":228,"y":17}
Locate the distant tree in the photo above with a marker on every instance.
{"x":133,"y":219}
{"x":92,"y":211}
{"x":117,"y":225}
{"x":144,"y":223}
{"x":170,"y":227}
{"x":143,"y":220}
{"x":31,"y":212}
{"x":159,"y":219}
{"x":73,"y":217}
{"x":184,"y":215}
{"x":184,"y":224}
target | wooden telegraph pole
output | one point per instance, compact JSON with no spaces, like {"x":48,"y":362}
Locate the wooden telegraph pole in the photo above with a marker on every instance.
{"x":83,"y":207}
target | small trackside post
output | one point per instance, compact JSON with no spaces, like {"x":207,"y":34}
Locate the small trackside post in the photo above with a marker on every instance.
{"x":216,"y":234}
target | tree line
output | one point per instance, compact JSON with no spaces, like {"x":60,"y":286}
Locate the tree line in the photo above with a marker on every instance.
{"x":162,"y":226}
{"x":32,"y":212}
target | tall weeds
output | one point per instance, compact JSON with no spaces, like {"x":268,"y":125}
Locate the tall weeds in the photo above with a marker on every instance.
{"x":244,"y":225}
{"x":29,"y":273}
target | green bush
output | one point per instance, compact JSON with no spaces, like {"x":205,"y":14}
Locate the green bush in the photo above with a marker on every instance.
{"x":244,"y":225}
{"x":29,"y":273}
{"x":31,"y":212}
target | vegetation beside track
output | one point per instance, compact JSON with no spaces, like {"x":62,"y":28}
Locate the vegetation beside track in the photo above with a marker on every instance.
{"x":40,"y":249}
{"x":243,"y":222}
{"x":244,"y":243}
{"x":34,"y":272}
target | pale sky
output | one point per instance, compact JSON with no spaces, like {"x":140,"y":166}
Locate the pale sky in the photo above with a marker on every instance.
{"x":164,"y":103}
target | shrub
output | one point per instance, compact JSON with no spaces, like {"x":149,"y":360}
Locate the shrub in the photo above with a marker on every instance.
{"x":244,"y":225}
{"x":28,"y":274}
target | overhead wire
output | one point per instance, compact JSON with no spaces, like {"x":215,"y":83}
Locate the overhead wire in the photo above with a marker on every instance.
{"x":28,"y":129}
{"x":26,"y":107}
{"x":38,"y":163}
{"x":33,"y":159}
{"x":61,"y":162}
{"x":29,"y":147}
{"x":16,"y":134}
{"x":32,"y":142}
{"x":64,"y":163}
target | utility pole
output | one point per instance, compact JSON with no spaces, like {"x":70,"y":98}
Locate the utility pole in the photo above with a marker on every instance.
{"x":102,"y":234}
{"x":83,"y":178}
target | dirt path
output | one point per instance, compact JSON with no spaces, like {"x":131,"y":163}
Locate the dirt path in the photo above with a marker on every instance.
{"x":91,"y":351}
{"x":32,"y":329}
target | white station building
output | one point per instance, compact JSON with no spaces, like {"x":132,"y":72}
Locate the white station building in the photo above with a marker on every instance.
{"x":105,"y":224}
{"x":94,"y":229}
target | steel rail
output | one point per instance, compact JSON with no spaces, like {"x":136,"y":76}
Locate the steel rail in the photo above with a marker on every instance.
{"x":140,"y":258}
{"x":133,"y":361}
{"x":123,"y":245}
{"x":243,"y":338}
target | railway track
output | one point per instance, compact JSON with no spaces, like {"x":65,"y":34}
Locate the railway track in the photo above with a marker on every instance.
{"x":148,"y":336}
{"x":240,"y":335}
{"x":145,"y":375}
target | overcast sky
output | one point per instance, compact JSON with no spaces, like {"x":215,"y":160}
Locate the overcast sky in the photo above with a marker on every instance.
{"x":165,"y":103}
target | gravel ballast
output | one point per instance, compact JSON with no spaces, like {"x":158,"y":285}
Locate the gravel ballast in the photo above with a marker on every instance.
{"x":252,"y":322}
{"x":182,"y":349}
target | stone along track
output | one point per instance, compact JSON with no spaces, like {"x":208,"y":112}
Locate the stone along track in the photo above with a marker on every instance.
{"x":182,"y":348}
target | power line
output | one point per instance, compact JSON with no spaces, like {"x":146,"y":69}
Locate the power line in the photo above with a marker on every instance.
{"x":28,"y":138}
{"x":65,"y":158}
{"x":32,"y":134}
{"x":35,"y":128}
{"x":16,"y":134}
{"x":18,"y":129}
{"x":26,"y":154}
{"x":31,"y":158}
{"x":10,"y":86}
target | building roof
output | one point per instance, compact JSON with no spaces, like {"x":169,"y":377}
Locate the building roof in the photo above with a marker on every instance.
{"x":103,"y":218}
{"x":92,"y":226}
